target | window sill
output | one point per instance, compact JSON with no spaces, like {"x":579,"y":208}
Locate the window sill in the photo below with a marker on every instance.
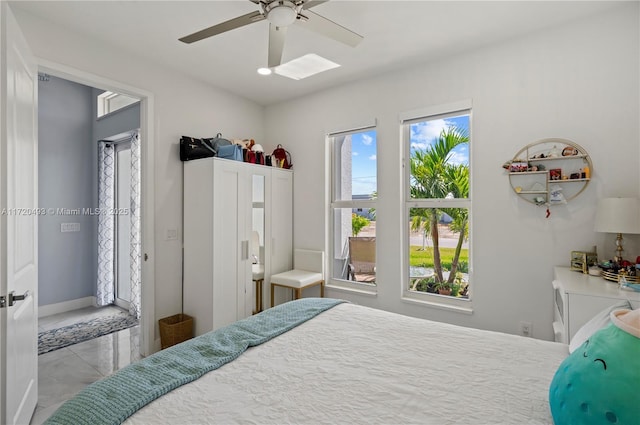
{"x":366,"y":290}
{"x":439,"y":301}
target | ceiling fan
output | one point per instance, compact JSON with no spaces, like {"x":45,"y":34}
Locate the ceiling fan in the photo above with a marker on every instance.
{"x":281,"y":14}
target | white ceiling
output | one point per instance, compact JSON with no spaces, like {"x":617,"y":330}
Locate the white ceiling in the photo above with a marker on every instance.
{"x":397,"y":34}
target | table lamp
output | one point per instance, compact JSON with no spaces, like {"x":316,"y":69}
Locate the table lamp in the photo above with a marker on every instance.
{"x":618,"y":215}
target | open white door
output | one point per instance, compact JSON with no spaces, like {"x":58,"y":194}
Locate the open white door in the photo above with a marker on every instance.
{"x":18,"y":224}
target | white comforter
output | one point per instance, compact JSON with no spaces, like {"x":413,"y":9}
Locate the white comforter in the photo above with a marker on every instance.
{"x":353,"y":364}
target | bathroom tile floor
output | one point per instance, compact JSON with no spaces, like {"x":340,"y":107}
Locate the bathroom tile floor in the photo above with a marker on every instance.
{"x":63,"y":373}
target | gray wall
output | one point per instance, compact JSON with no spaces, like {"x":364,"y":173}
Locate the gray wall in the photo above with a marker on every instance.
{"x":66,"y":170}
{"x":68,"y":178}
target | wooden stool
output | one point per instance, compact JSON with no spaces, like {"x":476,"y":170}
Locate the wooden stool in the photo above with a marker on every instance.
{"x":297,"y":280}
{"x":308,"y":271}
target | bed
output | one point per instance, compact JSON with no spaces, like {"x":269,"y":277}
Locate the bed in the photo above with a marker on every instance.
{"x":347,"y":363}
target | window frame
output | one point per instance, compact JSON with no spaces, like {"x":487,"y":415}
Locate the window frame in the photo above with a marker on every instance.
{"x":105,"y":100}
{"x":461,"y":305}
{"x":351,"y":204}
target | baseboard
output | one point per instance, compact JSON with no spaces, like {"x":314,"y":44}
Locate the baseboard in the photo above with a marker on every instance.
{"x":63,"y":307}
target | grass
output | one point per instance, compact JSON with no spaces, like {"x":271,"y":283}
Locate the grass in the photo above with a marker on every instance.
{"x":420,"y":258}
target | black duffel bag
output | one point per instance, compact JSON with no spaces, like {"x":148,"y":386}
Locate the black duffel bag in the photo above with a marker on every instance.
{"x":194,"y":148}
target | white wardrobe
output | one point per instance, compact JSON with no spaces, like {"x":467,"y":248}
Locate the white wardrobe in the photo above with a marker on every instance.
{"x":238,"y":217}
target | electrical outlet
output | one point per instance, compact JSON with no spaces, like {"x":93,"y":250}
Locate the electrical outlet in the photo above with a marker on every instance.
{"x":526,"y":328}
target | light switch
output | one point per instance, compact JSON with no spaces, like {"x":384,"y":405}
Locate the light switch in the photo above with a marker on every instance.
{"x":172,"y":234}
{"x":69,"y":227}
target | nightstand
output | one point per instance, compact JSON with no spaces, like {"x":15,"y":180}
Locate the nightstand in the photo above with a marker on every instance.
{"x":578,"y":297}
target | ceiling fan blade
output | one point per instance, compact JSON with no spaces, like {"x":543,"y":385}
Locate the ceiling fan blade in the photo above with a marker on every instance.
{"x":328,"y":28}
{"x":234,"y":23}
{"x":312,"y":3}
{"x":276,"y":44}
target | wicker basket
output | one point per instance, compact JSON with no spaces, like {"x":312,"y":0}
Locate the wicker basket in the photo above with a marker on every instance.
{"x":175,"y":329}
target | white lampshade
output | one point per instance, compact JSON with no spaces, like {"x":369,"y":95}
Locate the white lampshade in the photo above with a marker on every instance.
{"x":282,"y":15}
{"x":618,"y":215}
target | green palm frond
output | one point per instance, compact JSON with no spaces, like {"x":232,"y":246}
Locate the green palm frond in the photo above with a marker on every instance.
{"x":435,"y":176}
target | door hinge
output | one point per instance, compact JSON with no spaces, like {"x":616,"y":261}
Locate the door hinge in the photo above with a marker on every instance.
{"x":3,"y":301}
{"x":146,"y":256}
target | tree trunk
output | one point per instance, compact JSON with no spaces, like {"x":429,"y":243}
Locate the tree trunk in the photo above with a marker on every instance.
{"x":437,"y":262}
{"x":456,"y":255}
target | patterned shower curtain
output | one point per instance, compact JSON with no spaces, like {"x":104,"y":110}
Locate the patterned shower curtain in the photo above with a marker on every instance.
{"x":105,"y":293}
{"x":106,"y":226}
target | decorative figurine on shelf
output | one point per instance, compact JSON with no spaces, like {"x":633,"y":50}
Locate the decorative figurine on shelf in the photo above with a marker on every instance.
{"x":569,"y":151}
{"x":554,"y":153}
{"x":518,"y":166}
{"x":598,"y":382}
{"x":556,"y":196}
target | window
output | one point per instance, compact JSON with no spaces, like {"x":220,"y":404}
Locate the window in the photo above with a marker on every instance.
{"x":110,"y":102}
{"x":437,"y":202}
{"x":353,"y":201}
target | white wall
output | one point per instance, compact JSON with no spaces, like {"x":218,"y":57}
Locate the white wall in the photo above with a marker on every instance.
{"x":182,"y":107}
{"x":579,"y":82}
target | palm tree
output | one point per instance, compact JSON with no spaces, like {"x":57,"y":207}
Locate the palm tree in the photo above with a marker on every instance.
{"x":435,"y":177}
{"x":458,"y":175}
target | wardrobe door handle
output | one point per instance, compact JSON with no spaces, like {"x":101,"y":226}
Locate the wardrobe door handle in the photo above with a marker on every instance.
{"x":245,"y":250}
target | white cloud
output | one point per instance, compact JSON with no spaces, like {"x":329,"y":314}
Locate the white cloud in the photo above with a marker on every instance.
{"x":458,"y":158}
{"x":460,"y":155}
{"x":373,"y":157}
{"x":355,"y":153}
{"x":418,"y":146}
{"x":364,"y":185}
{"x":367,"y":140}
{"x":424,"y":133}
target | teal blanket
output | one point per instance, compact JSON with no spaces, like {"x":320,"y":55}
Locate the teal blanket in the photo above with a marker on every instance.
{"x":115,"y":398}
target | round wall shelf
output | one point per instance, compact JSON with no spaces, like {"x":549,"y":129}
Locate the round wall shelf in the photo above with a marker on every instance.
{"x":550,"y":171}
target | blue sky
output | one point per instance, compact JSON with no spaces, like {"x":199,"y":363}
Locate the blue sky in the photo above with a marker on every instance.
{"x":424,"y":133}
{"x":363,"y":150}
{"x":364,"y":160}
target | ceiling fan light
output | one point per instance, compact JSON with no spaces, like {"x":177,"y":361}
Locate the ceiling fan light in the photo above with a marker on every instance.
{"x":282,"y":14}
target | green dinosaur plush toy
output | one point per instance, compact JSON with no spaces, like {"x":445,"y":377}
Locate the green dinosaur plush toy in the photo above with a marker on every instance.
{"x":599,"y":383}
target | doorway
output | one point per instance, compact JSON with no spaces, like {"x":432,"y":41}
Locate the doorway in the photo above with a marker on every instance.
{"x":18,"y":390}
{"x":70,"y":276}
{"x":119,"y":253}
{"x":144,"y":106}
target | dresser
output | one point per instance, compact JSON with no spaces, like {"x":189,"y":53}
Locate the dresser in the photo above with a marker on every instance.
{"x":578,"y":297}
